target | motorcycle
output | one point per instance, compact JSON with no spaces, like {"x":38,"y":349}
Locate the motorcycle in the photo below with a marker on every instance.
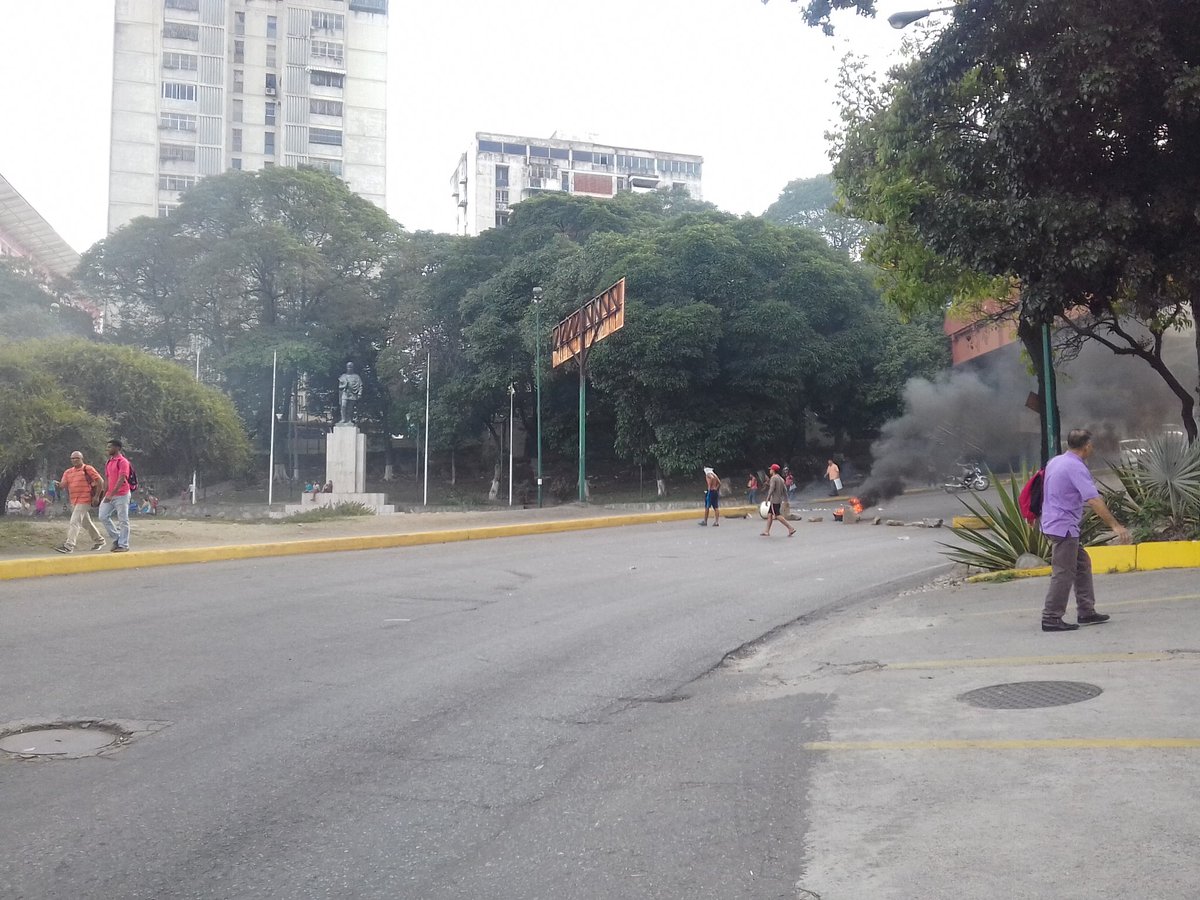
{"x":972,"y":478}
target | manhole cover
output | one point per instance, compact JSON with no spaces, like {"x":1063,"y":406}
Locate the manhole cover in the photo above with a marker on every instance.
{"x":57,"y":741}
{"x":1030,"y":694}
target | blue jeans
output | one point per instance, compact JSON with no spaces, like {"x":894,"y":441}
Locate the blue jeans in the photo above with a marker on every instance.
{"x":119,"y":505}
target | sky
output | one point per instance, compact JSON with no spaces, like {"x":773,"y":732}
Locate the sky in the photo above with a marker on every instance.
{"x":744,"y":84}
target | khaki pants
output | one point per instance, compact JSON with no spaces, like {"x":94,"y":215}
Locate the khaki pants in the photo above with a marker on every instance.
{"x":81,"y":515}
{"x":1070,"y":567}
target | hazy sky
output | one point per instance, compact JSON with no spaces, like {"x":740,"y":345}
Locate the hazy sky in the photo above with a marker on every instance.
{"x":747,"y":86}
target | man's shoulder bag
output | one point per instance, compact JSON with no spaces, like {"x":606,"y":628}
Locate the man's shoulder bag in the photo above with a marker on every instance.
{"x":93,"y":480}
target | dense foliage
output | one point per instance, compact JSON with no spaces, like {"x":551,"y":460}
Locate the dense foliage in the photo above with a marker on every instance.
{"x":62,"y":395}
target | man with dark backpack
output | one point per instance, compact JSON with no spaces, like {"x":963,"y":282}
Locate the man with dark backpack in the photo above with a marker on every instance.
{"x":121,"y":481}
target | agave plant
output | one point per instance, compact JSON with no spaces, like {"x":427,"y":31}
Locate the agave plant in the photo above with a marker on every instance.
{"x":1006,"y":535}
{"x":1160,"y":489}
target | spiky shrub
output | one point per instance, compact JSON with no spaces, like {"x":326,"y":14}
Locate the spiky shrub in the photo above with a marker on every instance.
{"x":1159,"y":494}
{"x":1006,"y":535}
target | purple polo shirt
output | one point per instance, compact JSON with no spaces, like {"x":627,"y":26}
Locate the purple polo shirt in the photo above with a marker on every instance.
{"x":1066,"y":488}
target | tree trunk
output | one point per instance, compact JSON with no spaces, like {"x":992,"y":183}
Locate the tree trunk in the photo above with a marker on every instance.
{"x":389,"y":455}
{"x":453,"y":470}
{"x":6,"y":483}
{"x":494,"y":490}
{"x":660,"y":482}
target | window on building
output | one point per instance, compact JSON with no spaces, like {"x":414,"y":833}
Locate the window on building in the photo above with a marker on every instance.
{"x":189,"y":5}
{"x":239,"y":80}
{"x":330,"y":50}
{"x":269,"y":143}
{"x":502,"y":198}
{"x":268,"y":164}
{"x":174,"y":90}
{"x":237,"y":140}
{"x":491,"y":147}
{"x":181,"y":31}
{"x":328,"y":136}
{"x":184,"y":62}
{"x":582,"y":155}
{"x":239,"y":23}
{"x":272,"y":27}
{"x":272,"y":56}
{"x":332,"y":166}
{"x":514,"y":149}
{"x":236,"y":164}
{"x":271,"y":84}
{"x":327,"y":79}
{"x":324,"y":21}
{"x":602,"y":159}
{"x":239,"y":51}
{"x":558,"y":153}
{"x":176,"y":153}
{"x":501,"y":218}
{"x":541,"y":170}
{"x":369,"y":6}
{"x":237,"y":110}
{"x":165,"y":209}
{"x":566,"y":181}
{"x":269,"y":112}
{"x":172,"y":121}
{"x":319,"y":107}
{"x":501,"y":176}
{"x":176,"y":182}
{"x":539,"y":151}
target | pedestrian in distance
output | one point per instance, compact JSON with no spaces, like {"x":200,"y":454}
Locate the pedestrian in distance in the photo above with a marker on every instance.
{"x":1067,"y":487}
{"x":833,"y":473}
{"x":712,"y":496}
{"x":789,"y":482}
{"x":83,"y":486}
{"x":752,"y":489}
{"x":116,"y":498}
{"x":776,"y":494}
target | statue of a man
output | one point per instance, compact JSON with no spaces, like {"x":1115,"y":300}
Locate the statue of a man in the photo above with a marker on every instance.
{"x":350,"y":388}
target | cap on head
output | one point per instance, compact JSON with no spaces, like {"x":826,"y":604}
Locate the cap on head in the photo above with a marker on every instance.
{"x":774,"y":467}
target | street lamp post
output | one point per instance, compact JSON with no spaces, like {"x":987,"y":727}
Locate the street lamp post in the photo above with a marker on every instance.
{"x":906,"y":18}
{"x":537,"y":378}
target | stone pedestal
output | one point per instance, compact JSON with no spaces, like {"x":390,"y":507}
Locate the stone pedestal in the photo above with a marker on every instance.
{"x":346,"y":459}
{"x":346,"y":467}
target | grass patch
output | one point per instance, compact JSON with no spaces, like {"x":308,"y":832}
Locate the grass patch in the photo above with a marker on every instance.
{"x":325,"y":513}
{"x":16,"y":533}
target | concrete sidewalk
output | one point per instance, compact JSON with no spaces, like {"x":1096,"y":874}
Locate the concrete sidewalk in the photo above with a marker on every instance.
{"x":919,"y":794}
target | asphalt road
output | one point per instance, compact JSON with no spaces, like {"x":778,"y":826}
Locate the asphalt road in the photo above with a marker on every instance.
{"x":522,"y":718}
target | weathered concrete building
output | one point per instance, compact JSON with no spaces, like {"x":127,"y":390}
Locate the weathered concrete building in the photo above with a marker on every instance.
{"x":498,"y":171}
{"x":204,"y":86}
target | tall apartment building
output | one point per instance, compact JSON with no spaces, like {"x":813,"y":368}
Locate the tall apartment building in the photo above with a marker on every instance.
{"x":205,"y":86}
{"x":500,"y":170}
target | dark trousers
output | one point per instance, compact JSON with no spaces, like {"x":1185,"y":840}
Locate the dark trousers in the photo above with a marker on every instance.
{"x":1070,"y":566}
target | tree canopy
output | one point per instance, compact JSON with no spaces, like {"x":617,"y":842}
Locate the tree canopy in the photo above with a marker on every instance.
{"x":60,"y":395}
{"x":812,"y":203}
{"x":35,"y":305}
{"x":1045,"y":149}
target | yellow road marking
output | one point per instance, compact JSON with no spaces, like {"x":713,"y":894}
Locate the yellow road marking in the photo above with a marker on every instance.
{"x":1002,"y":661}
{"x":1046,"y":744}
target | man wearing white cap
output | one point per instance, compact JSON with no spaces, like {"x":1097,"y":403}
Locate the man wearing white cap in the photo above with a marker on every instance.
{"x":712,"y":496}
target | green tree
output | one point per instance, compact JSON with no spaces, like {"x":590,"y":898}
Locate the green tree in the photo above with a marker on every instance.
{"x":1049,"y":149}
{"x":58,"y":395}
{"x":280,"y":260}
{"x":812,"y":203}
{"x":34,"y":305}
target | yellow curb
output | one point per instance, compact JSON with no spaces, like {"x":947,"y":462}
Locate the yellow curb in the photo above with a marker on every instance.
{"x":974,"y":523}
{"x":1112,"y":559}
{"x":37,"y":567}
{"x":1042,"y":744}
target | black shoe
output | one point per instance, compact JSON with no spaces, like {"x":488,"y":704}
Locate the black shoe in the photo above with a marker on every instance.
{"x":703,"y":524}
{"x":1058,"y":625}
{"x":120,"y":549}
{"x":63,"y":548}
{"x":1094,"y":619}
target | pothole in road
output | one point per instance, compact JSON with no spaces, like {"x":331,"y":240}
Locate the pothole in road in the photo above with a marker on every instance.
{"x":70,"y":738}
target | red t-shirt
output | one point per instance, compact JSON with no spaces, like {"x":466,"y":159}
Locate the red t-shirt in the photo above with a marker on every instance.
{"x":113,"y":470}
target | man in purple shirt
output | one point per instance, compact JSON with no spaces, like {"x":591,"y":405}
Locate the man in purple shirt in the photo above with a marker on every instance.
{"x":1066,"y":488}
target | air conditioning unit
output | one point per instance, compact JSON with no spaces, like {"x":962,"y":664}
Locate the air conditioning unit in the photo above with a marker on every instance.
{"x":270,"y":92}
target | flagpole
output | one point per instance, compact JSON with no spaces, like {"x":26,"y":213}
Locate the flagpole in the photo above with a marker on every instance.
{"x":428,"y":369}
{"x":271,"y":463}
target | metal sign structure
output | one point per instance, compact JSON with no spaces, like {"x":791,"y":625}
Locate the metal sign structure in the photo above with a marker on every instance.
{"x":574,"y":338}
{"x":592,"y":322}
